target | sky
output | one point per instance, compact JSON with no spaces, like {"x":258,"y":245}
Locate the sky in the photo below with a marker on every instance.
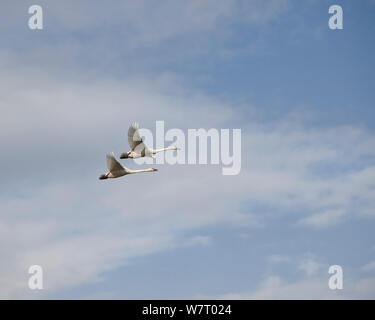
{"x":301,"y":93}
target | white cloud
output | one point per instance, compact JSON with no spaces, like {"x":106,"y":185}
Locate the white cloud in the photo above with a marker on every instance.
{"x":274,"y":287}
{"x":278,"y":258}
{"x":313,"y":284}
{"x":310,"y":266}
{"x":200,"y":240}
{"x":131,"y":37}
{"x":54,"y":134}
{"x":369,"y":266}
{"x":323,"y":219}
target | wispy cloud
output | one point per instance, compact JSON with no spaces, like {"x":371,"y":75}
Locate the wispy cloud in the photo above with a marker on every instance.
{"x":369,"y":266}
{"x":82,"y":227}
{"x":312,"y":285}
{"x":323,"y":219}
{"x":275,"y":287}
{"x":200,"y":240}
{"x":310,"y":265}
{"x":67,"y":99}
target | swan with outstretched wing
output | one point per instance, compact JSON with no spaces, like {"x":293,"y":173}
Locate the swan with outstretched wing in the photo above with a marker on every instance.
{"x":116,"y":170}
{"x":137,"y":146}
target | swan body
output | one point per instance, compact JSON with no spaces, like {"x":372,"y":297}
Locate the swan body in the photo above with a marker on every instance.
{"x":116,"y":170}
{"x":138,"y":148}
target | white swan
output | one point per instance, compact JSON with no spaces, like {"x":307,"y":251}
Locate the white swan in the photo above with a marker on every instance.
{"x":117,"y":170}
{"x":138,"y":148}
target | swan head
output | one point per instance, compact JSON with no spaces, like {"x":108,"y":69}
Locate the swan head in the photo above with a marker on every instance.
{"x":103,"y":176}
{"x":124,"y":155}
{"x":175,"y":148}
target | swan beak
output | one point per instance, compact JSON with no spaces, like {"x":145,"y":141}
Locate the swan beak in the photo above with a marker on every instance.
{"x":153,"y":169}
{"x":124,"y":155}
{"x":103,"y":176}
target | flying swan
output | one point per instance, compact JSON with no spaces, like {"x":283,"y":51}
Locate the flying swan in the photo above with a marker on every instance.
{"x":117,"y":170}
{"x":138,"y":148}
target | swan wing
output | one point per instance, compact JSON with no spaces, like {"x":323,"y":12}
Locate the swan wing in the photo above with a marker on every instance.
{"x":134,"y":138}
{"x":113,"y":164}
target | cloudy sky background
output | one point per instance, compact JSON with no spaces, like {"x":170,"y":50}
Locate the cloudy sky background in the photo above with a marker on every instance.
{"x":302,"y":94}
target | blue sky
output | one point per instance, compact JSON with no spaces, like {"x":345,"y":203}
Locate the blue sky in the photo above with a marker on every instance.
{"x":301,"y":93}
